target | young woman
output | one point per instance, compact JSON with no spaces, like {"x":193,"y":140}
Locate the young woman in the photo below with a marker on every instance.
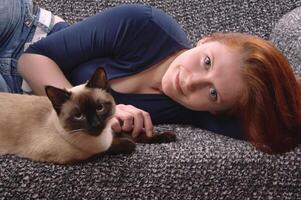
{"x":231,"y":84}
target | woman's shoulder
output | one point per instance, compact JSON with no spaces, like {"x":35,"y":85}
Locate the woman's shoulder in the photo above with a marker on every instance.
{"x":170,"y":26}
{"x":136,"y":12}
{"x":148,"y":24}
{"x":138,"y":15}
{"x":141,"y":12}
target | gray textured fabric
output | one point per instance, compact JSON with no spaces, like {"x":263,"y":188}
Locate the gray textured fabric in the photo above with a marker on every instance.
{"x":198,"y":18}
{"x":287,"y":37}
{"x":201,"y":164}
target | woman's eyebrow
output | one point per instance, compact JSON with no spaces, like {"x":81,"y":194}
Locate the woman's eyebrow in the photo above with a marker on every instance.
{"x":210,"y":53}
{"x":212,"y":58}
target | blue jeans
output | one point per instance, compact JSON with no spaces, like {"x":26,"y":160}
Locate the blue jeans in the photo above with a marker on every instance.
{"x":16,"y":28}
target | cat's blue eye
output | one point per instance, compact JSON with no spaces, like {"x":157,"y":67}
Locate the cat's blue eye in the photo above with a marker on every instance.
{"x":99,"y":107}
{"x":207,"y":62}
{"x":213,"y":94}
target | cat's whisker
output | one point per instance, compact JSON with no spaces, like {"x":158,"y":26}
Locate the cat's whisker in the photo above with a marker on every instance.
{"x":76,"y":130}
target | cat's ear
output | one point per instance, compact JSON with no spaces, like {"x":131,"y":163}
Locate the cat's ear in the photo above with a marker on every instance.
{"x":98,"y":79}
{"x":57,"y":97}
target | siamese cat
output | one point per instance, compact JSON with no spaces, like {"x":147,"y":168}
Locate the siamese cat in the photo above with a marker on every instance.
{"x":67,"y":125}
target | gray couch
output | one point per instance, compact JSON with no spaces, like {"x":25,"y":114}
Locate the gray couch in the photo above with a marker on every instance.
{"x":201,"y":164}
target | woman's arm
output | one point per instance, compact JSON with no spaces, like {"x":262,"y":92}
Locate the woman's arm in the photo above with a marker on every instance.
{"x":108,"y":34}
{"x":39,"y":70}
{"x":105,"y":35}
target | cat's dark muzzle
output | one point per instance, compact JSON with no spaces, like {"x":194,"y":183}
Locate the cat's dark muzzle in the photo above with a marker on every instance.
{"x":96,"y":130}
{"x":98,"y":123}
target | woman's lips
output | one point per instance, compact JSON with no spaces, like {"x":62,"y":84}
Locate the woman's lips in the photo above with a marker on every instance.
{"x":177,"y":83}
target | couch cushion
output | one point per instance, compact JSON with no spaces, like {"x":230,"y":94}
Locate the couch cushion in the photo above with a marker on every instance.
{"x":286,"y":35}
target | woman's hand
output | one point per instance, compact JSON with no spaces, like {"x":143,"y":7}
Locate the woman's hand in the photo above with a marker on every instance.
{"x":131,"y":119}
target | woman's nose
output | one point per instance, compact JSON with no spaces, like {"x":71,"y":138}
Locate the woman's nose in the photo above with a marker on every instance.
{"x":196,"y":81}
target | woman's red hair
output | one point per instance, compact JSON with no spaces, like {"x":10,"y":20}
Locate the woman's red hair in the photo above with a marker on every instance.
{"x":270,"y":103}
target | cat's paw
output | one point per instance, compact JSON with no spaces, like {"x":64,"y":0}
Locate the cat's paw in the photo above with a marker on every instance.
{"x":157,"y":138}
{"x":121,"y":146}
{"x":165,"y":137}
{"x":127,"y":146}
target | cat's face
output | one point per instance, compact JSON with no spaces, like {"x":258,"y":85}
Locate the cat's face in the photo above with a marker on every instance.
{"x":86,"y":108}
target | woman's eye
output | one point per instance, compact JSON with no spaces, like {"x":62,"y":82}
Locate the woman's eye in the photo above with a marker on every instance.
{"x":213,"y":94}
{"x":207,"y":62}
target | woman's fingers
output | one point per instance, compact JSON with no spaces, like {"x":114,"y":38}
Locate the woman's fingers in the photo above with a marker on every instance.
{"x":132,"y":119}
{"x":148,"y":124}
{"x":115,"y":125}
{"x":137,"y":123}
{"x":125,"y":117}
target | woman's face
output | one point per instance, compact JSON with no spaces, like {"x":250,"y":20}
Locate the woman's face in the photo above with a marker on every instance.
{"x":205,"y":78}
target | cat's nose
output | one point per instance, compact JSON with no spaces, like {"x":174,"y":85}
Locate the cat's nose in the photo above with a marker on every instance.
{"x":95,"y":126}
{"x":95,"y":123}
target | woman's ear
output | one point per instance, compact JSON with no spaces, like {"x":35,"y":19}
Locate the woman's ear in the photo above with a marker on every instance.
{"x":203,"y":40}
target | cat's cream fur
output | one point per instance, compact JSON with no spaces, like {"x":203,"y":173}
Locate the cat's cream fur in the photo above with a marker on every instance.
{"x":30,"y":128}
{"x":67,"y":125}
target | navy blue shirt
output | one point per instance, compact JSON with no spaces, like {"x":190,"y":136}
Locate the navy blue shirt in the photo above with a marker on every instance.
{"x":126,"y":40}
